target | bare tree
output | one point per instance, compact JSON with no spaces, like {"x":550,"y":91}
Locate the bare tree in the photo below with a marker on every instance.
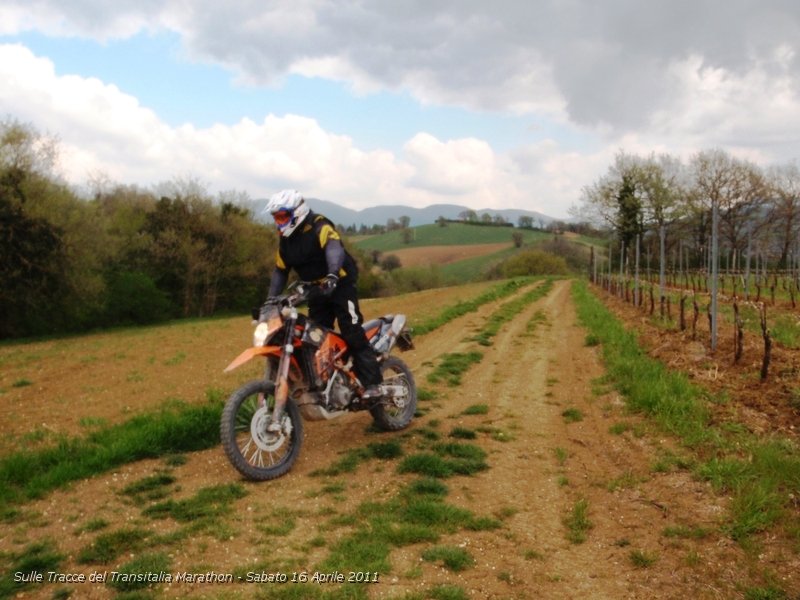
{"x":737,"y":187}
{"x":663,"y":182}
{"x":784,"y":214}
{"x":616,"y":199}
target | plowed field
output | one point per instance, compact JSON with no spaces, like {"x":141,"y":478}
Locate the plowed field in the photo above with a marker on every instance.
{"x":444,"y":255}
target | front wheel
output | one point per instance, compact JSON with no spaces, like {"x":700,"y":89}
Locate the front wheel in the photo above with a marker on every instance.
{"x":397,"y":408}
{"x":259,"y":452}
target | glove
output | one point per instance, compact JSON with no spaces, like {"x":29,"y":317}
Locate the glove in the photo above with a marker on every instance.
{"x":328,"y":285}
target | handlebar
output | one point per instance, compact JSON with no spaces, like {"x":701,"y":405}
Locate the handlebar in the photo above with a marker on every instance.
{"x":298,"y":292}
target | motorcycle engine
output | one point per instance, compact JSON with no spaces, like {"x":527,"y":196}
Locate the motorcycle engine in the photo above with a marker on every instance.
{"x":339,"y":395}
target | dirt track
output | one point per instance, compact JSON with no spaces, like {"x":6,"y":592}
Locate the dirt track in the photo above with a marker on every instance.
{"x":540,"y":466}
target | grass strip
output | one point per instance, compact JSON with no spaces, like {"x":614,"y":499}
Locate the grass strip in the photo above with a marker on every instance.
{"x":459,"y":309}
{"x":40,"y":557}
{"x":453,"y":366}
{"x":29,"y":474}
{"x":647,"y":385}
{"x":577,"y":522}
{"x":509,"y":310}
{"x":761,"y":475}
{"x":418,"y":514}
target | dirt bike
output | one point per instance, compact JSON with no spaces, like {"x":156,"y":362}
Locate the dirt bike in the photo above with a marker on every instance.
{"x":309,"y":372}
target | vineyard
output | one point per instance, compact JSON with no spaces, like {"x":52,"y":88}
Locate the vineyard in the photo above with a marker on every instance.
{"x":765,"y":306}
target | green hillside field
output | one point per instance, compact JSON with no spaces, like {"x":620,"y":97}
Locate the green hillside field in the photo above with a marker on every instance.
{"x":454,"y":234}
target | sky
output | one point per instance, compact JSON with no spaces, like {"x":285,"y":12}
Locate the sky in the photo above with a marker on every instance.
{"x":490,"y":105}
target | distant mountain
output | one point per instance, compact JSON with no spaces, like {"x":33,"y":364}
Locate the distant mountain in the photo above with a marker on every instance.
{"x":379,"y":215}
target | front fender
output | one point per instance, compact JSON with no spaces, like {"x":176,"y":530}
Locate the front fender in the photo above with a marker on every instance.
{"x":251,"y":353}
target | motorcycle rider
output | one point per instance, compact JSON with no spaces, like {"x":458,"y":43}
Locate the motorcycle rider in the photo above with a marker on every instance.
{"x":311,"y":246}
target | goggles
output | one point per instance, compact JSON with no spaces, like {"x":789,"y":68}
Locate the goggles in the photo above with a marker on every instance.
{"x":282,"y":217}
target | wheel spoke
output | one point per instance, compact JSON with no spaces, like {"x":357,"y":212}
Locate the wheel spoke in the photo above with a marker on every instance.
{"x":256,"y":452}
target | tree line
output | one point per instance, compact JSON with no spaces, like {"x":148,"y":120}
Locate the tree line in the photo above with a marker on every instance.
{"x":668,"y":202}
{"x":124,"y":255}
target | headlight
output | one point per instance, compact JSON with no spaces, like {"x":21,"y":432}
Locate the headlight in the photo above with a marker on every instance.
{"x":260,"y":334}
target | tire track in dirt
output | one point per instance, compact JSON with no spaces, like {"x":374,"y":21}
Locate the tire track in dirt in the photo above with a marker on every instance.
{"x":531,"y":556}
{"x":528,"y":382}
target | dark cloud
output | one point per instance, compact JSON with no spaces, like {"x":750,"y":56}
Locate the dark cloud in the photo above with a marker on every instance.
{"x":596,"y":63}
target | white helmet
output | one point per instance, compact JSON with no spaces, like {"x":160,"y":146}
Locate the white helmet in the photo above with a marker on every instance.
{"x":289,"y":209}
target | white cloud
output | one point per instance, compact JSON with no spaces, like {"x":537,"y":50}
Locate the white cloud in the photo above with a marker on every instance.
{"x":450,"y":168}
{"x":104,"y":131}
{"x":667,"y":77}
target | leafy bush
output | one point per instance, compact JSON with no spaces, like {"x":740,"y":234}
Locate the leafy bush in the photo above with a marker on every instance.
{"x":576,"y":255}
{"x":534,"y":262}
{"x":414,"y":279}
{"x":134,"y":298}
{"x":390,"y":262}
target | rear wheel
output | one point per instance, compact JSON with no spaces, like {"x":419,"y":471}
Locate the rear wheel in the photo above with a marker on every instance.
{"x":397,"y":408}
{"x":256,"y":450}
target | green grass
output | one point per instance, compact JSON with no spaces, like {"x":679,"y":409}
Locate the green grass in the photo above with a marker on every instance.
{"x":463,"y":433}
{"x":452,"y":558}
{"x":207,"y":504}
{"x":625,"y":481}
{"x":40,"y":557}
{"x":572,"y":415}
{"x":445,"y":460}
{"x":619,"y":428}
{"x":759,"y":474}
{"x":150,"y":487}
{"x":452,"y":366}
{"x":641,"y":559}
{"x":107,"y":547}
{"x":765,"y":593}
{"x":475,"y":268}
{"x":385,"y":450}
{"x":92,"y":525}
{"x":281,"y":522}
{"x":417,"y":514}
{"x":647,"y":385}
{"x":427,"y":486}
{"x":509,"y":310}
{"x":476,"y":409}
{"x":686,"y":532}
{"x":135,"y":574}
{"x":455,"y":234}
{"x":28,"y":474}
{"x":349,"y":462}
{"x":577,"y":522}
{"x":459,"y":309}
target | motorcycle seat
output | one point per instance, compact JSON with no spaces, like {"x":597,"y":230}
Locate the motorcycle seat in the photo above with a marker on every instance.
{"x":373,"y":323}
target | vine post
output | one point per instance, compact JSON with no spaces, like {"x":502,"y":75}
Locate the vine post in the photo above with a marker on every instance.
{"x":767,"y":342}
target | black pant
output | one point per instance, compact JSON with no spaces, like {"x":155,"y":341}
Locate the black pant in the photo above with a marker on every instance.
{"x":342,"y":306}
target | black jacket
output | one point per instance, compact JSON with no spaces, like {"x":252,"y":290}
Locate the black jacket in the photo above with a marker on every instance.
{"x":314,"y":250}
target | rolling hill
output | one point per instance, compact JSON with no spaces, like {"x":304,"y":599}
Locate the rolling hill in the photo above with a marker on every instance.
{"x":379,"y":215}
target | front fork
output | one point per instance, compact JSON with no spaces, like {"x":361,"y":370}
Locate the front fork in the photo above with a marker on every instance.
{"x":282,"y":378}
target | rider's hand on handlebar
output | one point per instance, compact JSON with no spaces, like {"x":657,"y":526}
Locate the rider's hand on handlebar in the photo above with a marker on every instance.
{"x":328,"y":285}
